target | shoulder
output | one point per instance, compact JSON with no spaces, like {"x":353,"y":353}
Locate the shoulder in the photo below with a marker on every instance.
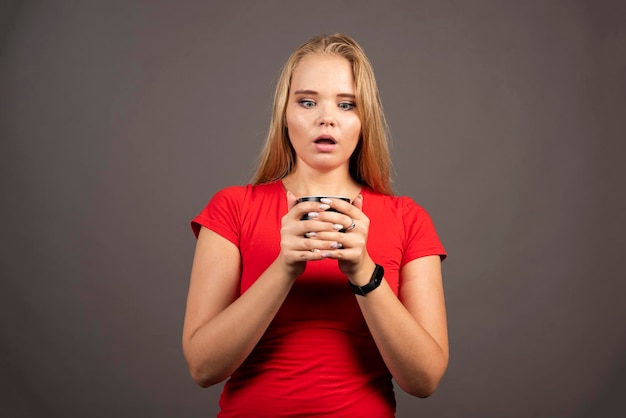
{"x":398,"y":205}
{"x":230,"y":192}
{"x":401,"y":225}
{"x":250,"y":191}
{"x":399,"y":213}
{"x":241,"y":200}
{"x":227,"y":210}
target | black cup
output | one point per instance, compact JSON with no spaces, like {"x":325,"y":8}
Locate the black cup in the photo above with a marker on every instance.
{"x":318,"y":199}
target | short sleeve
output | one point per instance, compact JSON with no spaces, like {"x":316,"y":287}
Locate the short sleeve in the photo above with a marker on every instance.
{"x":222,"y":214}
{"x":421,"y":238}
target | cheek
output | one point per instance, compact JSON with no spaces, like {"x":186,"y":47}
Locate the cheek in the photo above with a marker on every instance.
{"x":355,"y":128}
{"x":292,"y":121}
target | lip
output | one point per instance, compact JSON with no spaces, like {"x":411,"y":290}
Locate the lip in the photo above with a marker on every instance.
{"x":325,"y":146}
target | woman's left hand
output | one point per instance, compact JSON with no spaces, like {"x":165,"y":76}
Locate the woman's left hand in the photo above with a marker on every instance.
{"x":354,"y":260}
{"x":417,"y":357}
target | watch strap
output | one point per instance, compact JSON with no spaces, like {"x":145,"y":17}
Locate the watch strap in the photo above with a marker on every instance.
{"x":375,"y":281}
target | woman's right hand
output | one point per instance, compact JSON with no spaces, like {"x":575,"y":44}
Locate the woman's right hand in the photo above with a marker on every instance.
{"x":222,"y":326}
{"x":298,"y":242}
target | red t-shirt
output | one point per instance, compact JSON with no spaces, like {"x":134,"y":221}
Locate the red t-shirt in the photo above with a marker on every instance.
{"x":317,"y":357}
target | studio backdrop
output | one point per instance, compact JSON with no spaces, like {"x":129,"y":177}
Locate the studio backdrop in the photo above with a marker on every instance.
{"x":119,"y":120}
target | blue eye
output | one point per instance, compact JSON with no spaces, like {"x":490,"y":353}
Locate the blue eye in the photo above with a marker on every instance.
{"x":347,"y":105}
{"x":306,"y":103}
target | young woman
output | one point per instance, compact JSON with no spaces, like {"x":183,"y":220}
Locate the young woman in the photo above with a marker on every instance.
{"x":312,"y":308}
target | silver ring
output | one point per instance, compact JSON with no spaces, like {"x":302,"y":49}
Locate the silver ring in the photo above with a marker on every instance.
{"x":351,"y":227}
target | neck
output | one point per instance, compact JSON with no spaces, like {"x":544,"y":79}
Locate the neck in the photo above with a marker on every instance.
{"x":307,"y":182}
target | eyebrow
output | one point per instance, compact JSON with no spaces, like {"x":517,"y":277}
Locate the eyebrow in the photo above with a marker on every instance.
{"x":313,"y":93}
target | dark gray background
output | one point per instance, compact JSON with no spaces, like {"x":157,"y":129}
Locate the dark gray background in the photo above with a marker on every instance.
{"x":120,"y":119}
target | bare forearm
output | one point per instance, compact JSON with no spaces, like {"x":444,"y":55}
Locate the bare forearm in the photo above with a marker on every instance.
{"x":219,"y":346}
{"x":414,"y":358}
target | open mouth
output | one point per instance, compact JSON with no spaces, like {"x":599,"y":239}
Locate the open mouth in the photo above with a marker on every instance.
{"x":325,"y":140}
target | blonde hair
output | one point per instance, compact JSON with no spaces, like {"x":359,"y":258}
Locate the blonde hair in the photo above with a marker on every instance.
{"x":370,"y":162}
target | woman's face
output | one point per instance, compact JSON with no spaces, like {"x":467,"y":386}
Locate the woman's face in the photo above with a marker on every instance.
{"x":322,"y":119}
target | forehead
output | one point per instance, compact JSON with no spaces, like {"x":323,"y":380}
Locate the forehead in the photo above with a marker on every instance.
{"x":323,"y":71}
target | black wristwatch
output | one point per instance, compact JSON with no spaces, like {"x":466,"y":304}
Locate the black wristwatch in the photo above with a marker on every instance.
{"x":375,"y":281}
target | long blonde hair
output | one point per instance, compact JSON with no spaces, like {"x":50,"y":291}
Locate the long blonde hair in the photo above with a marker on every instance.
{"x":370,"y":162}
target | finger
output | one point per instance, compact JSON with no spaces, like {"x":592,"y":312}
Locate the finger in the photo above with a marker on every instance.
{"x":339,"y":254}
{"x":346,"y":208}
{"x":314,"y":244}
{"x":350,"y":227}
{"x":310,"y":209}
{"x":358,"y":202}
{"x":337,"y":221}
{"x":313,"y":225}
{"x":292,"y":200}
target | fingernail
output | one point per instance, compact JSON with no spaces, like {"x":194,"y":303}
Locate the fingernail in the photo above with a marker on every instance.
{"x":310,"y":234}
{"x":326,"y":200}
{"x":327,"y":254}
{"x":337,"y":226}
{"x":324,"y":206}
{"x":313,"y":214}
{"x":336,"y":245}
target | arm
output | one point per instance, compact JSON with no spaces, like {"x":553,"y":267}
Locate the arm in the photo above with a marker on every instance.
{"x":222,"y":328}
{"x":410,"y":330}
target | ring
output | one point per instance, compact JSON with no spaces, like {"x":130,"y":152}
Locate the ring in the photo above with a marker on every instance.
{"x":351,"y":227}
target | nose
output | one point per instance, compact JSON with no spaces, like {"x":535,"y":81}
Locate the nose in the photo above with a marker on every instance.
{"x":325,"y":116}
{"x":326,"y":121}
